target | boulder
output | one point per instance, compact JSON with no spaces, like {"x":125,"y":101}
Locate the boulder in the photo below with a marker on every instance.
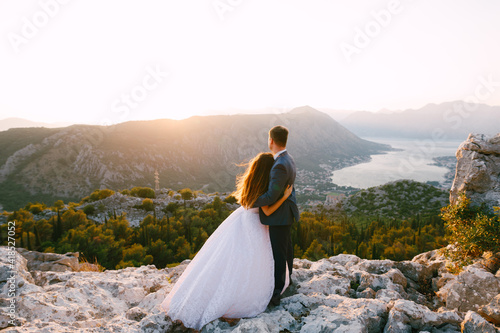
{"x":415,"y":271}
{"x":388,"y":295}
{"x":478,"y":167}
{"x":474,"y":323}
{"x":325,"y":284}
{"x":373,"y":266}
{"x":491,"y":311}
{"x":407,"y":316}
{"x":397,"y":277}
{"x":367,"y":293}
{"x":276,"y":321}
{"x":472,"y":288}
{"x":351,"y":315}
{"x":40,"y":261}
{"x":346,"y":260}
{"x":14,"y":275}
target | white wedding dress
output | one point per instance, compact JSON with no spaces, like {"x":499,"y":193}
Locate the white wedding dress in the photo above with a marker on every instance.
{"x":232,"y":275}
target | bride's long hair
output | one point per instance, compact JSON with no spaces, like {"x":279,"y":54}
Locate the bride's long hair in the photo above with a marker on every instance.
{"x":254,"y":181}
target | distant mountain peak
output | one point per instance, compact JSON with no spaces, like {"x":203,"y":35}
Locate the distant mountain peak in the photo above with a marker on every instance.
{"x":303,"y":109}
{"x":306,"y":109}
{"x":16,"y":122}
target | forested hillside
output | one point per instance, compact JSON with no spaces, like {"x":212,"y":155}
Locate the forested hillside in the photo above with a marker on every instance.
{"x":397,"y":199}
{"x":179,"y":234}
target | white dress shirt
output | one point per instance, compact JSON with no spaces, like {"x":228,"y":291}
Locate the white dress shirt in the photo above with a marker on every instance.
{"x":278,"y":153}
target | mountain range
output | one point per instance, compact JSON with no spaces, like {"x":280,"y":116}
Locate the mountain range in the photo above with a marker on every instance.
{"x":450,"y":120}
{"x":201,"y":152}
{"x":13,"y":122}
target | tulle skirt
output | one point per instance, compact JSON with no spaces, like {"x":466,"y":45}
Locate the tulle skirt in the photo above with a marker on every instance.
{"x":232,"y":275}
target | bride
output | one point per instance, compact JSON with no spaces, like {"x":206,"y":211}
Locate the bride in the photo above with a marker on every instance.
{"x":232,"y":276}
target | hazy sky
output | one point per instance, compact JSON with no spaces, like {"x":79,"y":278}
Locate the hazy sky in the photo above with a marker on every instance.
{"x":109,"y":61}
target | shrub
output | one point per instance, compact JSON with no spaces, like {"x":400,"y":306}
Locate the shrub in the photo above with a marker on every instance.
{"x":36,"y":208}
{"x":148,"y":205}
{"x":143,"y":192}
{"x":230,"y":199}
{"x":101,"y":194}
{"x":473,"y":230}
{"x":86,"y":266}
{"x":315,"y":251}
{"x":89,"y":210}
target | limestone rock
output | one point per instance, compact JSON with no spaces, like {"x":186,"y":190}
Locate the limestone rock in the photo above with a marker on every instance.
{"x":406,"y":316}
{"x":51,"y":261}
{"x":373,"y":266}
{"x":350,"y":315}
{"x":478,"y":167}
{"x":474,"y":323}
{"x":14,"y":274}
{"x":491,"y":311}
{"x":346,"y":260}
{"x":397,"y":277}
{"x":135,"y":313}
{"x":325,"y":284}
{"x":388,"y":295}
{"x":338,"y":294}
{"x":472,"y":288}
{"x":415,"y":271}
{"x":367,"y":293}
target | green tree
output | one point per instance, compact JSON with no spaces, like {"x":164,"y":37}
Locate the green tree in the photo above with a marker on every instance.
{"x":134,"y":254}
{"x":230,"y":199}
{"x":161,"y":253}
{"x":148,"y":205}
{"x":183,"y":249}
{"x":186,"y":194}
{"x":297,"y":251}
{"x":59,"y":204}
{"x":315,"y":251}
{"x":89,"y":210}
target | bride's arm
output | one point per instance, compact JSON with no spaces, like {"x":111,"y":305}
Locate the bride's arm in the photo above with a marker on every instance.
{"x":268,"y":210}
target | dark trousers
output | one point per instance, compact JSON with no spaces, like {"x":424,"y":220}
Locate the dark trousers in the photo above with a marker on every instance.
{"x":281,"y":243}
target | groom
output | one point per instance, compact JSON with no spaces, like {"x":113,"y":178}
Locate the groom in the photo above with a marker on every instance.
{"x":282,"y":174}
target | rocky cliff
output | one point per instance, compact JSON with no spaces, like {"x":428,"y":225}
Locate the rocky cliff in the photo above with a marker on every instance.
{"x":340,"y":294}
{"x":478,"y":170}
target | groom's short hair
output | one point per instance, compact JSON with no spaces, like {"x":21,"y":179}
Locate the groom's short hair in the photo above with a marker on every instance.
{"x":279,"y":134}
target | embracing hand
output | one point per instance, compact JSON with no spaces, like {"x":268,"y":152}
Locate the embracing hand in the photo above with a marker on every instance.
{"x":288,"y":191}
